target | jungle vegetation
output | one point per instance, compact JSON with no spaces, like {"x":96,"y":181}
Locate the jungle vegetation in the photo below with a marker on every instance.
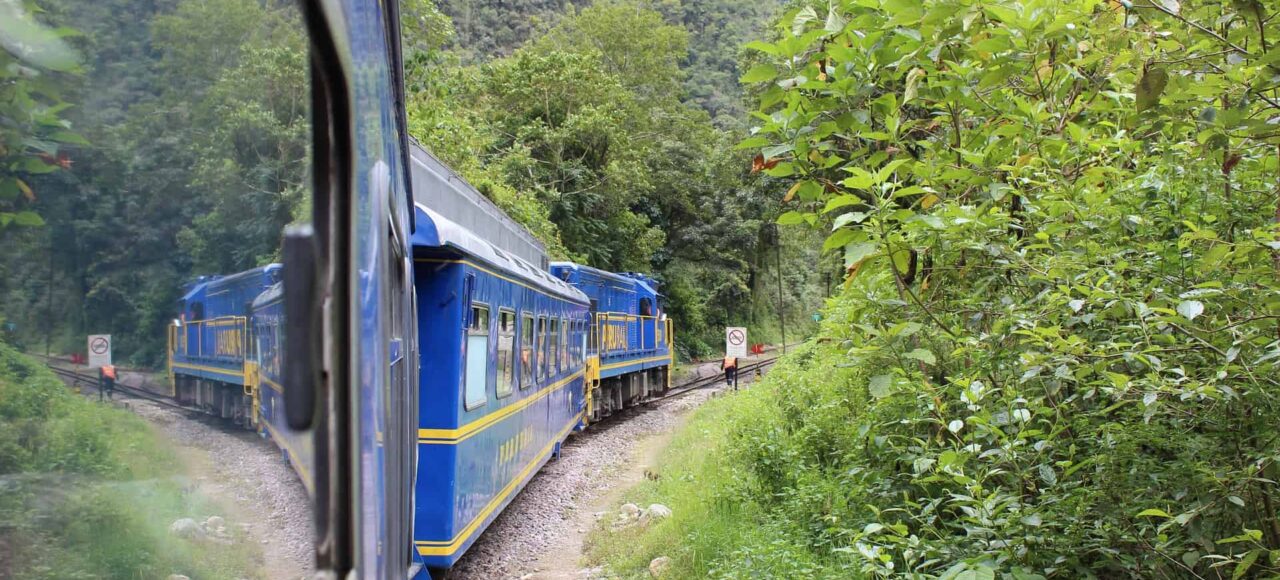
{"x":155,"y":154}
{"x":1054,"y":352}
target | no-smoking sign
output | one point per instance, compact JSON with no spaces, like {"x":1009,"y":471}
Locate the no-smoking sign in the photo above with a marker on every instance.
{"x":735,"y":341}
{"x":99,"y":350}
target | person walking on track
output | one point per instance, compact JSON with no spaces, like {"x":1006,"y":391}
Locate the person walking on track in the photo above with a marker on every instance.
{"x":730,"y":366}
{"x":106,"y":382}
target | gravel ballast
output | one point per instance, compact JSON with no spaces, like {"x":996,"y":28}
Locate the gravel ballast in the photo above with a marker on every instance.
{"x":542,"y":518}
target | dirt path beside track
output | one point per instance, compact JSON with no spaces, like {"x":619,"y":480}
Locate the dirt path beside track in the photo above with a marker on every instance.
{"x":242,"y":473}
{"x":541,"y":534}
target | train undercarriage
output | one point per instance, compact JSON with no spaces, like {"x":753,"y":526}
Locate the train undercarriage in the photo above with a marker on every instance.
{"x":613,"y":394}
{"x":224,"y":400}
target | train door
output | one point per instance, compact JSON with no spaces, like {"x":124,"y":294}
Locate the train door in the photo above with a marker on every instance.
{"x":351,"y":359}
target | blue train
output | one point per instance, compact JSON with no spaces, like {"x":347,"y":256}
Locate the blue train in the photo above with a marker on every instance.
{"x":514,"y":354}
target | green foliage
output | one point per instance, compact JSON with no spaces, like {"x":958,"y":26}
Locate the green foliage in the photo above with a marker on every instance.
{"x":89,"y":490}
{"x":198,"y":113}
{"x":1055,"y":349}
{"x":33,"y":138}
{"x":583,"y":137}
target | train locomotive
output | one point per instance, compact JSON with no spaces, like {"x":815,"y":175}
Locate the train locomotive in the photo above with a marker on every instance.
{"x":515,"y":354}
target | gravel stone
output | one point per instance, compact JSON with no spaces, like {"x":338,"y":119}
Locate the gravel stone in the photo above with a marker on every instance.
{"x":659,"y":566}
{"x":186,"y":528}
{"x":541,"y":517}
{"x":249,"y":473}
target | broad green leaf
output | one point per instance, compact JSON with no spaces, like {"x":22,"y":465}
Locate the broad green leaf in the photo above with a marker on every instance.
{"x":839,"y":201}
{"x":885,"y":172}
{"x":913,"y":80}
{"x":1190,"y":309}
{"x":761,"y":46}
{"x":902,"y":260}
{"x":759,"y":74}
{"x":835,"y":22}
{"x":845,"y":219}
{"x":880,"y":386}
{"x":28,"y":218}
{"x":1153,"y":513}
{"x":1248,"y":536}
{"x":854,"y":253}
{"x":904,"y":329}
{"x":861,"y":179}
{"x":791,"y":218}
{"x":840,"y":237}
{"x":1150,"y":86}
{"x":777,"y":150}
{"x":1245,"y":563}
{"x":923,"y":355}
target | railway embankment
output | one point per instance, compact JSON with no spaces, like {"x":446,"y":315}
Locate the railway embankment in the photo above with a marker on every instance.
{"x":244,"y":475}
{"x":90,"y":490}
{"x":544,"y":534}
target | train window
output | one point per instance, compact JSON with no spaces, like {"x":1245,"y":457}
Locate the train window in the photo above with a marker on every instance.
{"x":564,"y":345}
{"x":107,"y":108}
{"x":575,"y":344}
{"x":506,"y":338}
{"x":477,"y":371}
{"x":542,"y":347}
{"x":553,"y":347}
{"x":646,"y":307}
{"x":526,"y":350}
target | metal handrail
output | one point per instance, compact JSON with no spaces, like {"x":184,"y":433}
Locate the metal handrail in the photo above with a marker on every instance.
{"x":181,"y":345}
{"x":598,"y":342}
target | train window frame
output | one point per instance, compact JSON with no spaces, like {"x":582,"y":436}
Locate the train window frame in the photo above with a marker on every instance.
{"x":582,"y":342}
{"x":528,"y":370}
{"x":553,"y":346}
{"x":541,"y":336}
{"x":564,"y":345}
{"x":506,"y":362}
{"x":472,"y":363}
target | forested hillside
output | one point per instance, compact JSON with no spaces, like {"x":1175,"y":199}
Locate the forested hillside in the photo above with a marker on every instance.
{"x":716,"y":31}
{"x":1054,"y":354}
{"x":596,"y":131}
{"x":587,"y":134}
{"x":176,"y":157}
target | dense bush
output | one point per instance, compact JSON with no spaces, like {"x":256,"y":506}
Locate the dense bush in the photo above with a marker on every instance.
{"x":1057,"y":341}
{"x":88,"y":490}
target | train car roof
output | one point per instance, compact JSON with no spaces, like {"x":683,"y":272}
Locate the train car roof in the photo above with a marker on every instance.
{"x":638,"y":282}
{"x":437,"y":231}
{"x":214,"y":282}
{"x":247,"y":275}
{"x":273,"y":293}
{"x":449,"y":195}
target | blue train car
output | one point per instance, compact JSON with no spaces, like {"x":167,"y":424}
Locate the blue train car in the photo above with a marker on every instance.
{"x":503,"y":345}
{"x":209,"y":343}
{"x":265,"y":362}
{"x":629,"y":354}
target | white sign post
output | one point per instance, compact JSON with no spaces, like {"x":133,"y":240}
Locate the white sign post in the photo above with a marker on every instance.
{"x":735,"y":342}
{"x":99,"y":350}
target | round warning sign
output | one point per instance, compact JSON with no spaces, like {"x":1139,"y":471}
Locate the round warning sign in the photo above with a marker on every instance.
{"x":735,"y":341}
{"x":99,"y":350}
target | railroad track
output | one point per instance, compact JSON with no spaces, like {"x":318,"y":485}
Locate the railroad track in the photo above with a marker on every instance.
{"x":687,"y":387}
{"x":129,"y":390}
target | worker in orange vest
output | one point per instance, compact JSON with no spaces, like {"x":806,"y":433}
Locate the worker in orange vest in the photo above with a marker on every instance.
{"x":730,"y":366}
{"x":106,"y":381}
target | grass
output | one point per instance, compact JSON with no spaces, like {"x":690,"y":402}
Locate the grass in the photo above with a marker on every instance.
{"x":717,"y":528}
{"x":89,"y":490}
